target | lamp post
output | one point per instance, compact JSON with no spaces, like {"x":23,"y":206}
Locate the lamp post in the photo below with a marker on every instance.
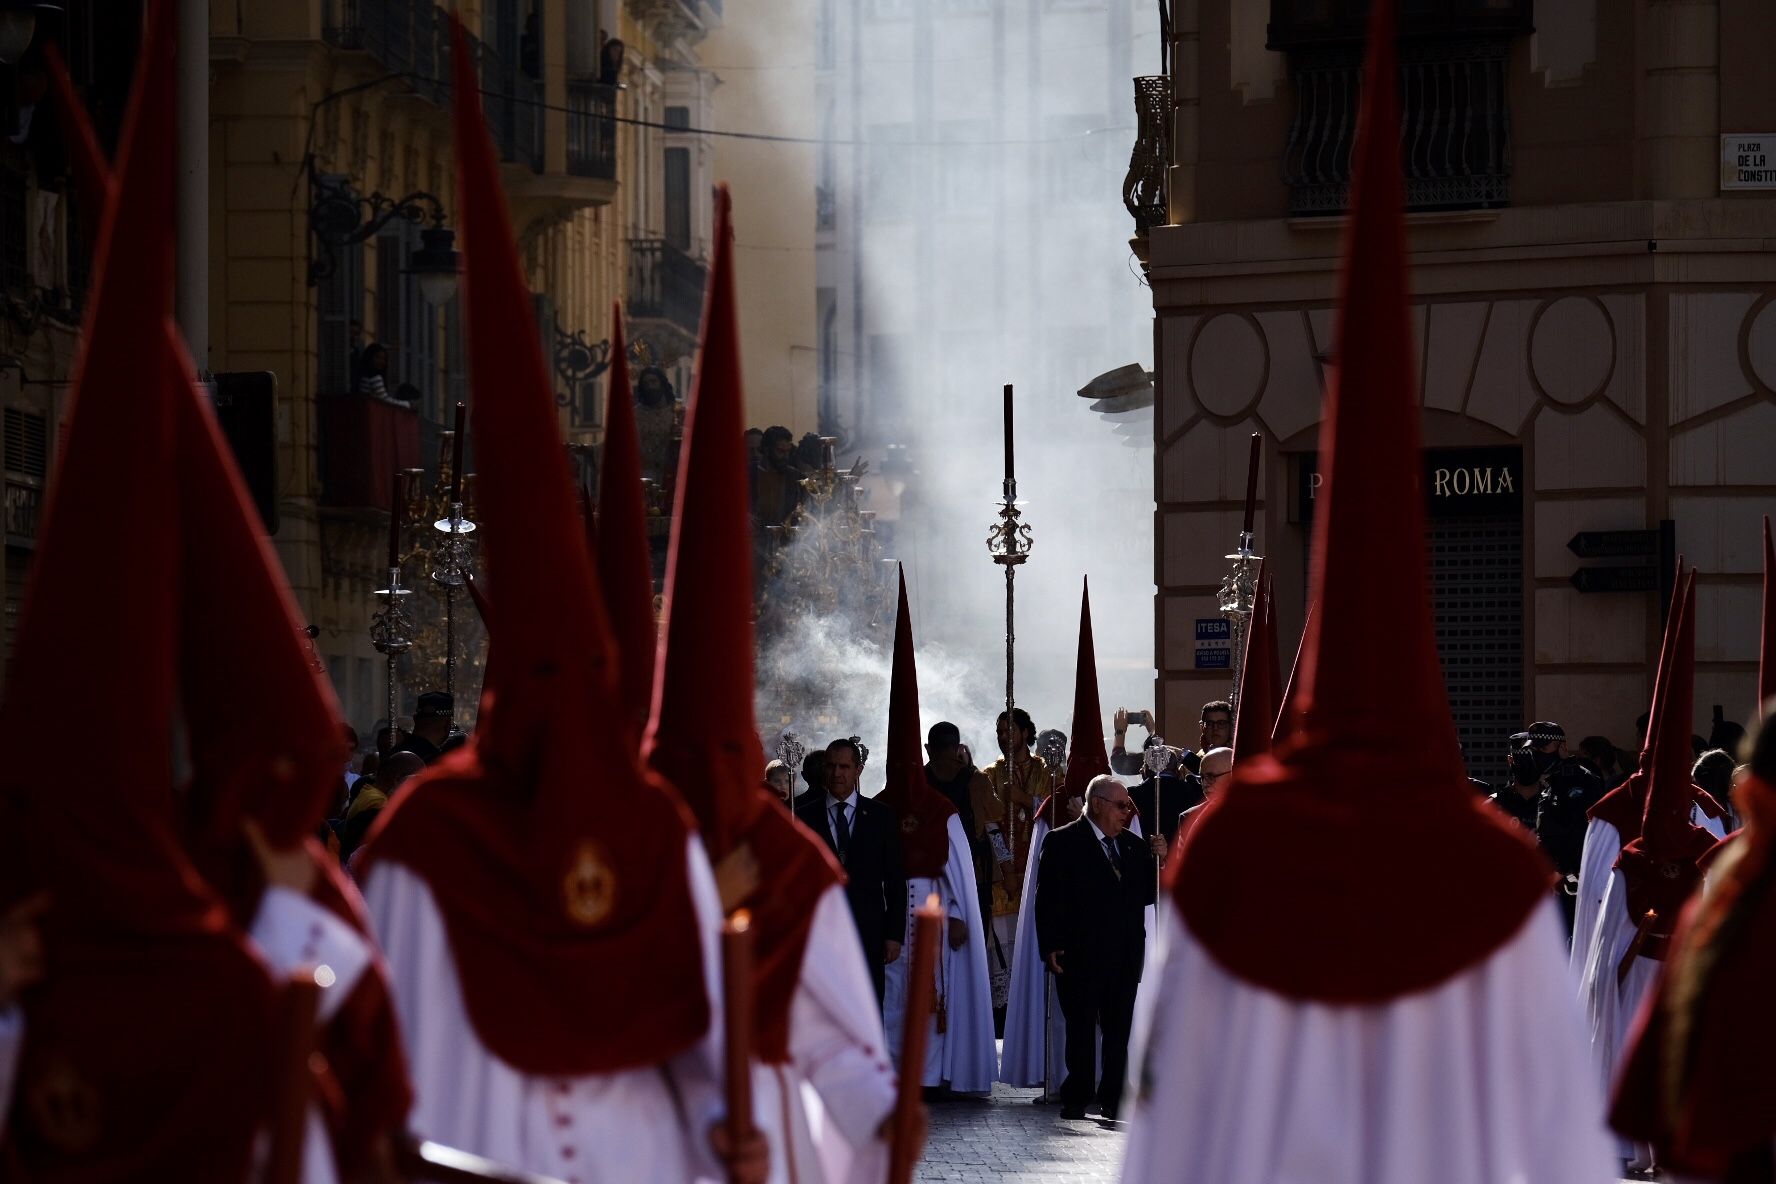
{"x":338,"y":218}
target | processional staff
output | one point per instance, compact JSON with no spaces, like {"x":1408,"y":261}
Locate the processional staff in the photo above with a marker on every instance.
{"x":1239,"y":589}
{"x":391,"y":630}
{"x":453,"y":556}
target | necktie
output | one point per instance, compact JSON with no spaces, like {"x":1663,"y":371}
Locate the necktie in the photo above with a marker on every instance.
{"x":841,"y":829}
{"x":1110,"y":850}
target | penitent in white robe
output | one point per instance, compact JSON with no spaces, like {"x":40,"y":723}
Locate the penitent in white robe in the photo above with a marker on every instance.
{"x":290,"y":933}
{"x":1603,"y":846}
{"x":962,"y":1056}
{"x":1610,"y":1006}
{"x":822,"y":1111}
{"x":647,"y":1123}
{"x":1020,"y":1062}
{"x":1457,"y":1084}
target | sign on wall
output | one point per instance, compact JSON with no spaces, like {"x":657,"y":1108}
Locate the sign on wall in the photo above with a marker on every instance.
{"x":1748,"y":161}
{"x":1458,"y":482}
{"x":1214,"y":643}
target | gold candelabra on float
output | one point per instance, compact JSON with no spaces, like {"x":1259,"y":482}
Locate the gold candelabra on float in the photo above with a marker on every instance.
{"x":446,"y":643}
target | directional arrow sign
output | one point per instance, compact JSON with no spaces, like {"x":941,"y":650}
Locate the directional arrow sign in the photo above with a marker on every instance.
{"x":1614,"y":544}
{"x":1616,"y":579}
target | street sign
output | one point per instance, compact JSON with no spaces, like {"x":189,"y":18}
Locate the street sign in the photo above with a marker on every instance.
{"x":1214,"y":643}
{"x":1748,"y":161}
{"x":1617,"y":579}
{"x":1614,"y":544}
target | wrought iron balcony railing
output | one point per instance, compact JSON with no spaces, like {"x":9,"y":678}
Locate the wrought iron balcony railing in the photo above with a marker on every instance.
{"x":591,"y":130}
{"x":665,"y":284}
{"x":1455,"y":125}
{"x":412,"y":38}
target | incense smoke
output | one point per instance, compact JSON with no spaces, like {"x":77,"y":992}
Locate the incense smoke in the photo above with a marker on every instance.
{"x":976,"y":166}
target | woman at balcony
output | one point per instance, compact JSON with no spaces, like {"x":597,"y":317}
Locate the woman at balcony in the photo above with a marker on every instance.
{"x":372,"y":380}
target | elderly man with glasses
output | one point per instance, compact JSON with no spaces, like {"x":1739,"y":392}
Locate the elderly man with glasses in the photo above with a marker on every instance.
{"x":1093,"y":882}
{"x":1217,"y":763}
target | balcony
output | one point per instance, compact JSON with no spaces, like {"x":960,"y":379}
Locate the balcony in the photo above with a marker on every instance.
{"x":591,"y":130}
{"x":412,"y":38}
{"x":363,"y":444}
{"x":665,"y":286}
{"x":1455,"y":124}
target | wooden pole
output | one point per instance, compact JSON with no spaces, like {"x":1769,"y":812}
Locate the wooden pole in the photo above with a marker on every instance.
{"x":737,"y":1006}
{"x":909,"y":1108}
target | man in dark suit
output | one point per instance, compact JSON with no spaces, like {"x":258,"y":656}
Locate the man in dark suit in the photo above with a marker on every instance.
{"x":1092,"y":883}
{"x":865,"y":835}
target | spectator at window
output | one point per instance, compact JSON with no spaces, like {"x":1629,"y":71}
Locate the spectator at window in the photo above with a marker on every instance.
{"x":372,"y":380}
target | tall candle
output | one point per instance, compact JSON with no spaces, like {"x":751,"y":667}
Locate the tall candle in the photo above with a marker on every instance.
{"x":456,"y":451}
{"x":737,"y":1011}
{"x":397,"y":508}
{"x":904,"y":1148}
{"x":1010,"y":466}
{"x":1252,"y":479}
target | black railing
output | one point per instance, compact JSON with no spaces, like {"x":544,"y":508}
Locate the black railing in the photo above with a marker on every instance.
{"x":665,"y":284}
{"x":412,"y":38}
{"x":1455,"y":126}
{"x":591,"y":130}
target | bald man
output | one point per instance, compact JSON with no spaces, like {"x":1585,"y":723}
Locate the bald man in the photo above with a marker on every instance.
{"x":1217,"y":763}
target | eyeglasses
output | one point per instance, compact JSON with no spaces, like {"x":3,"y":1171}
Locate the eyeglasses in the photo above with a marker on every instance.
{"x":1126,"y":805}
{"x":1205,"y":776}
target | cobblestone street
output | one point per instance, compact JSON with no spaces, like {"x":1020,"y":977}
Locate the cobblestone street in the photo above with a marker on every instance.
{"x":1012,"y":1140}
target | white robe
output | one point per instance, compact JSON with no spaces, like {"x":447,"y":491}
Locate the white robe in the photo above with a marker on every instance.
{"x":1465,"y":1083}
{"x":290,"y":933}
{"x":964,"y":1055}
{"x":828,"y":1103}
{"x":647,"y":1123}
{"x":1020,"y":1062}
{"x":1610,"y":1007}
{"x":1603,"y":845}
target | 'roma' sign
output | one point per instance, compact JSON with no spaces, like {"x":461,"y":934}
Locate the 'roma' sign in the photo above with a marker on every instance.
{"x":1458,"y":482}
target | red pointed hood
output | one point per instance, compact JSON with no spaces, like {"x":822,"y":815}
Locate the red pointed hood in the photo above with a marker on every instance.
{"x":121,"y":1025}
{"x":548,"y":871}
{"x":1665,"y":823}
{"x":1086,"y":757}
{"x":702,"y":735}
{"x":1286,"y":694}
{"x":1260,"y":678}
{"x":1317,"y":828}
{"x":625,"y":563}
{"x":924,"y":813}
{"x":92,"y":175}
{"x":1660,"y":867}
{"x":1624,"y":806}
{"x":1767,"y":651}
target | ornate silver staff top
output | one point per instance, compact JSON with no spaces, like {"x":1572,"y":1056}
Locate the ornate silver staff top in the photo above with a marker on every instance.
{"x":1240,"y":589}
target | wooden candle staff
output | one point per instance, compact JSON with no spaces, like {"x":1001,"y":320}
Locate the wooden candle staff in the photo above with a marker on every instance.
{"x":737,"y":1005}
{"x":909,"y":1108}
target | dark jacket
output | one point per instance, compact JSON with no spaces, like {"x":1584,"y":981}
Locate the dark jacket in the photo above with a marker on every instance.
{"x":1085,"y":910}
{"x":875,"y":881}
{"x":1176,"y":795}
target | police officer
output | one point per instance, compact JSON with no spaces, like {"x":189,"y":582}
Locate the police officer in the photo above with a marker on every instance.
{"x":1550,"y":793}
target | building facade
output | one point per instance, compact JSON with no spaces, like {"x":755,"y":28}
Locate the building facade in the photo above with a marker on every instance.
{"x":1593,"y":297}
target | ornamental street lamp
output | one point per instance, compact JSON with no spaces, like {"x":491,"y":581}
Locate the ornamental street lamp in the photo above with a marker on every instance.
{"x":340,"y":218}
